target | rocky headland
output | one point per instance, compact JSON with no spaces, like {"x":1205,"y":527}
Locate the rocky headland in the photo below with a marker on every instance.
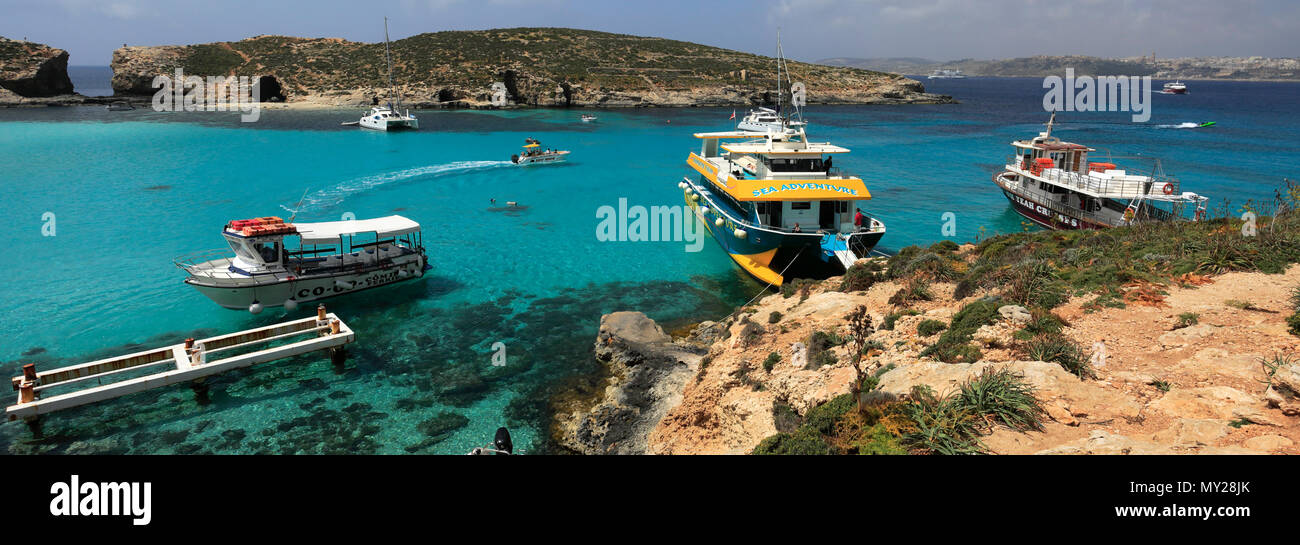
{"x":534,"y":67}
{"x":1201,"y":362}
{"x":34,"y":74}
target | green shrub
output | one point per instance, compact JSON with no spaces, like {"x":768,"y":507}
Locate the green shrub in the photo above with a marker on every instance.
{"x":1060,"y":349}
{"x":798,"y":285}
{"x":861,"y":277}
{"x":953,"y":345}
{"x":888,"y":323}
{"x":915,"y":290}
{"x":805,"y":441}
{"x":1187,"y":319}
{"x":774,"y":317}
{"x":819,"y":345}
{"x":930,"y":327}
{"x":941,"y":426}
{"x":1003,"y":396}
{"x":773,"y":358}
{"x":822,"y":418}
{"x":877,"y":440}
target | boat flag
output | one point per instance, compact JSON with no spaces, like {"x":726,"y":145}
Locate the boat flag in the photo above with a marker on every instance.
{"x":733,"y":114}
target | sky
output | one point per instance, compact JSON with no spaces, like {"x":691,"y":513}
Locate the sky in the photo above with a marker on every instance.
{"x":811,"y":29}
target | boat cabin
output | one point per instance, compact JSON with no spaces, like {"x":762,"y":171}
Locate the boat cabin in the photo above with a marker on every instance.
{"x":270,"y":245}
{"x":781,"y":181}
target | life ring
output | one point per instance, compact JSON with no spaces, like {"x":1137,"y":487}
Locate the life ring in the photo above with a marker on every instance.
{"x":1128,"y":214}
{"x":1200,"y":215}
{"x":1169,"y":188}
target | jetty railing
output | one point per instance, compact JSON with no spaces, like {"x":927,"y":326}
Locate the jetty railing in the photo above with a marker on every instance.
{"x":190,"y":361}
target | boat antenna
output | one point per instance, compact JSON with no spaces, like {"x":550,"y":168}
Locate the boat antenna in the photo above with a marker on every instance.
{"x":392,"y":89}
{"x":298,"y":206}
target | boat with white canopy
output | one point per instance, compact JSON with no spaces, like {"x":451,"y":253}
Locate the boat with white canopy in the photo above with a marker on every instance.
{"x":271,"y":263}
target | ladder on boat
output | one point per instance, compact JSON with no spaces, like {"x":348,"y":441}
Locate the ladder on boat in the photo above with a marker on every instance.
{"x":837,"y":246}
{"x":190,"y":361}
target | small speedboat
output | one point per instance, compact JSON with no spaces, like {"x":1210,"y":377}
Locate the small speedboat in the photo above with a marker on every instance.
{"x":533,"y":154}
{"x":120,"y":106}
{"x":271,"y":263}
{"x":588,"y":118}
{"x":1174,"y":88}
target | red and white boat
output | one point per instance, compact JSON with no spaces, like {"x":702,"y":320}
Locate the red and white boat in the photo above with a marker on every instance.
{"x":1055,"y":185}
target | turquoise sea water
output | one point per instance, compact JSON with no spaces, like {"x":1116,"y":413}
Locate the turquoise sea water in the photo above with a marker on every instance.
{"x":131,"y":190}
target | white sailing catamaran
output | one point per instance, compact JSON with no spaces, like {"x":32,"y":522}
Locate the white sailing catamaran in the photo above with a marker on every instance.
{"x":388,"y":117}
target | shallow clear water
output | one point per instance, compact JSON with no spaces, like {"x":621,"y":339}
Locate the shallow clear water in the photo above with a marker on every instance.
{"x":132,"y":190}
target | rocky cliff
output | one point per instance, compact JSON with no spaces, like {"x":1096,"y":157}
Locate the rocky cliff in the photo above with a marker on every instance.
{"x":31,"y":70}
{"x":534,"y":66}
{"x":1132,"y":340}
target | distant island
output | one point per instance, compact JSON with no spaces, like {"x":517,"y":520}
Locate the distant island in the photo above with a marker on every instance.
{"x":1225,"y":68}
{"x":536,"y":66}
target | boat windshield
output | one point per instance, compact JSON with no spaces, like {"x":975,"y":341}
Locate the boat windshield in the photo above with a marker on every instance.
{"x":267,"y":252}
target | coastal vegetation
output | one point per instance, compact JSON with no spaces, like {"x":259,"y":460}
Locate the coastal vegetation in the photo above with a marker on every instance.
{"x":923,"y":423}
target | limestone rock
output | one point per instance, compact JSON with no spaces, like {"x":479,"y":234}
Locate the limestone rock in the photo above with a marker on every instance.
{"x":29,"y":69}
{"x":1105,"y":442}
{"x":1268,"y":443}
{"x":1015,"y":313}
{"x":1284,"y":392}
{"x":1207,"y":402}
{"x":646,"y":374}
{"x":1192,"y":432}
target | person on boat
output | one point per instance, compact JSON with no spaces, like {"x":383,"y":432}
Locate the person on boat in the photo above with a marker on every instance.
{"x":859,"y":219}
{"x":797,"y":229}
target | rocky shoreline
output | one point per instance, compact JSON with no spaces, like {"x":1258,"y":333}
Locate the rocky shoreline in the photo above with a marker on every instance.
{"x":1198,"y":389}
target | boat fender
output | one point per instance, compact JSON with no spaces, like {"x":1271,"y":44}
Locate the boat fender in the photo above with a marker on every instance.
{"x":290,"y":304}
{"x":1169,"y":188}
{"x":255,"y":308}
{"x":719,"y":222}
{"x":704,"y":210}
{"x":343,"y":285}
{"x":740,"y":233}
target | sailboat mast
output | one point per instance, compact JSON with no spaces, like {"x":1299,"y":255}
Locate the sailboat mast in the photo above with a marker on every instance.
{"x":388,"y":56}
{"x":779,"y":93}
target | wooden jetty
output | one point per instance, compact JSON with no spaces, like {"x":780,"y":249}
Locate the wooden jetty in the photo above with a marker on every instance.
{"x":190,"y":361}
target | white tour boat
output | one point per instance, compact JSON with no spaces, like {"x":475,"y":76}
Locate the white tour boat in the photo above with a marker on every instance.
{"x":387,"y":117}
{"x":767,"y":120}
{"x":1054,"y":184}
{"x":262,"y":268}
{"x":533,"y":154}
{"x":946,"y":73}
{"x":588,"y":118}
{"x":1174,"y":88}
